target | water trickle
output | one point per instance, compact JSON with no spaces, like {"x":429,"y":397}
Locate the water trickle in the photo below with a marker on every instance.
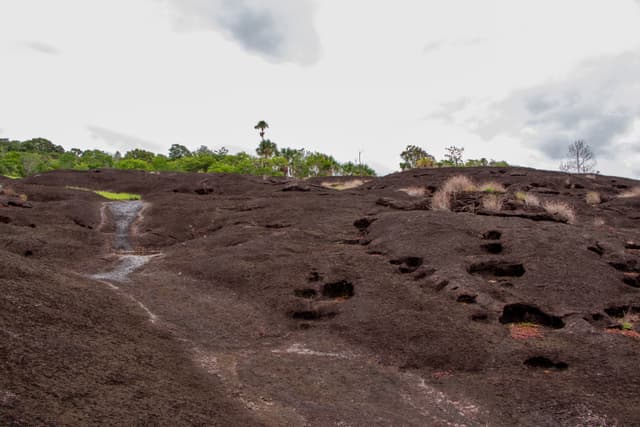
{"x":124,"y":214}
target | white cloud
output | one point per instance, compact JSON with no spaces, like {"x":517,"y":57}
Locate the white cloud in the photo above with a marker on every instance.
{"x":278,"y":30}
{"x":596,"y":102}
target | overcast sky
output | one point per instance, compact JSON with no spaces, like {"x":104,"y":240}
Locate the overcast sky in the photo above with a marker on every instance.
{"x":506,"y":79}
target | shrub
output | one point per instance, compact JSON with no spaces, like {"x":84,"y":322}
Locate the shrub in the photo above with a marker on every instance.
{"x":634,"y":192}
{"x":561,"y":209}
{"x":492,"y":187}
{"x":414,"y":191}
{"x":458,"y":184}
{"x":593,"y":198}
{"x":492,"y":203}
{"x":344,"y":185}
{"x":528,"y":198}
{"x":441,"y":201}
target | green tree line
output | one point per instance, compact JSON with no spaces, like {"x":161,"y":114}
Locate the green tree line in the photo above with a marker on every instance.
{"x":23,"y":158}
{"x":414,"y":156}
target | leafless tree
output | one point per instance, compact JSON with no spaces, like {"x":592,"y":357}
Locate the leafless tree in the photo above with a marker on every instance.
{"x":580,"y":158}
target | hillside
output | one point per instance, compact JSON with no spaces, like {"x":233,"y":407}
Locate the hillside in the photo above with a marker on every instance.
{"x":250,"y":301}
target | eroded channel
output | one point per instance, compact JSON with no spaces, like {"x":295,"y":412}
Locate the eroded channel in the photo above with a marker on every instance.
{"x":124,"y":215}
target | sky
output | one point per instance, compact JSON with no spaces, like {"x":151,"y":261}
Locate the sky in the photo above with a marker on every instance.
{"x":514,"y":80}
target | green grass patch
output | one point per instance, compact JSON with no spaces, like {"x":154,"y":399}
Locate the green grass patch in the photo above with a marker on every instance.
{"x":108,"y":194}
{"x":118,"y":196}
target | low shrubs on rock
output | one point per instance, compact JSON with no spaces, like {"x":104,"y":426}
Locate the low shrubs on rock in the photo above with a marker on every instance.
{"x":593,"y":198}
{"x":561,"y":209}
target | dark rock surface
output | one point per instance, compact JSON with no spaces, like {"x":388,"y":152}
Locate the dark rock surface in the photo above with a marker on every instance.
{"x":313,"y":306}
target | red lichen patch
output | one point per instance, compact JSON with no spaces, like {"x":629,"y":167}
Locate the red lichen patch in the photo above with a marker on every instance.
{"x":525,"y":331}
{"x":631,"y":334}
{"x":442,"y":374}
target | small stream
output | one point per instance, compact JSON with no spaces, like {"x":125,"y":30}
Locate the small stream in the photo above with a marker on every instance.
{"x":124,"y":215}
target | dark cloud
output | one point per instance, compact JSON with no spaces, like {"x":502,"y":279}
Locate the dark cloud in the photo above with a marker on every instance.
{"x":40,"y":47}
{"x":120,"y":141}
{"x":596,"y":103}
{"x":278,"y":30}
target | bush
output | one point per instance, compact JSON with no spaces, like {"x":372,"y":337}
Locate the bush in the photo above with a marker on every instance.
{"x":528,"y":199}
{"x":458,"y":184}
{"x":634,"y":192}
{"x":593,"y":198}
{"x":414,"y":191}
{"x":492,"y":187}
{"x":561,"y":209}
{"x":492,"y":203}
{"x":441,"y":201}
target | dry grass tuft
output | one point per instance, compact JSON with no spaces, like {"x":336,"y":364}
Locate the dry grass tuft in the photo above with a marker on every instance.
{"x":528,"y":198}
{"x":634,"y":192}
{"x":593,"y":198}
{"x":441,"y":201}
{"x":8,"y":192}
{"x":414,"y":191}
{"x":344,"y":185}
{"x":598,"y":221}
{"x":525,"y":331}
{"x":458,"y":184}
{"x":492,"y":187}
{"x":561,"y":209}
{"x":492,"y":203}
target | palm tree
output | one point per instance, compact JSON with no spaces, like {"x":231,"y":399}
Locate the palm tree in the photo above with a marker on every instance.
{"x":267,"y":149}
{"x":262,"y":125}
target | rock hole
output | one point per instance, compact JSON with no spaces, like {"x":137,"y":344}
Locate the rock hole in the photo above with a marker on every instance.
{"x":524,"y":313}
{"x":497,"y":269}
{"x":621,"y":311}
{"x":467,"y":299}
{"x":596,"y":249}
{"x":305,"y":293}
{"x":312,"y":314}
{"x":480,"y":317}
{"x":407,"y":264}
{"x":424,"y":274}
{"x":314,"y":276}
{"x":632,"y":279}
{"x":363,"y":223}
{"x":545,"y":363}
{"x":492,"y":235}
{"x":376,"y":253}
{"x":629,"y":266}
{"x":28,"y":253}
{"x":441,"y":285}
{"x":5,"y":220}
{"x":492,"y":248}
{"x":341,"y":289}
{"x":597,"y":317}
{"x":632,"y":245}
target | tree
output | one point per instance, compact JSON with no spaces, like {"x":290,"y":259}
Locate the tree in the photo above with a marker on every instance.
{"x":356,"y":169}
{"x":262,"y":125}
{"x":412,"y":155}
{"x":295,"y":161}
{"x":139,"y":154}
{"x":580,"y":158}
{"x":178,"y":151}
{"x":41,"y":145}
{"x":267,"y":149}
{"x":454,"y":155}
